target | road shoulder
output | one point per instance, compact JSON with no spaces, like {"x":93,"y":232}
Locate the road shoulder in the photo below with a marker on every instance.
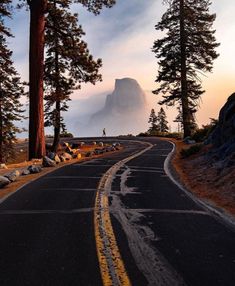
{"x":186,"y":178}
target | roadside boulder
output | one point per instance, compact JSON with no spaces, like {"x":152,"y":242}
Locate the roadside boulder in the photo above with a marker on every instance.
{"x":34,"y":169}
{"x":3,"y":182}
{"x":188,"y":140}
{"x":77,"y":156}
{"x":57,"y":159}
{"x":89,"y":154}
{"x":62,"y":158}
{"x":12,"y":176}
{"x":51,"y":155}
{"x":66,"y":156}
{"x":25,"y":172}
{"x":47,"y":162}
{"x":3,"y":166}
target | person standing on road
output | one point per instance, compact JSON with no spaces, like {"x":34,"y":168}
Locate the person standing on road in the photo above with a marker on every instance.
{"x":104,"y":133}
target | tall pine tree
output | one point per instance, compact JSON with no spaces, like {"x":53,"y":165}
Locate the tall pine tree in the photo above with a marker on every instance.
{"x":10,"y":90}
{"x":68,"y":63}
{"x":153,"y":121}
{"x":162,"y":122}
{"x":38,"y":10}
{"x":187,"y":50}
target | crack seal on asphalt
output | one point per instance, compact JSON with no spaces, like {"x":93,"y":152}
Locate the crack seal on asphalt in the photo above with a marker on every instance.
{"x":112,"y":267}
{"x":149,"y":260}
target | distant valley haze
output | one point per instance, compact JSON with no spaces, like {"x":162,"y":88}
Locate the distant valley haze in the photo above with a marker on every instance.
{"x":125,"y":49}
{"x":123,"y":111}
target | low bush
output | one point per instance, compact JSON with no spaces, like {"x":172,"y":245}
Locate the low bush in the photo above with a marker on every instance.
{"x":66,"y":135}
{"x":187,"y":152}
{"x":202,"y":134}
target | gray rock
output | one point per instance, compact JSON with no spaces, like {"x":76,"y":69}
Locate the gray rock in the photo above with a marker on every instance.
{"x":67,"y":156}
{"x":47,"y":162}
{"x":3,"y":182}
{"x":66,"y":144}
{"x":25,"y":172}
{"x":13,"y":175}
{"x":116,"y":144}
{"x":3,"y":166}
{"x":188,"y":140}
{"x":89,"y":154}
{"x":57,"y":159}
{"x":98,"y":151}
{"x":34,"y":169}
{"x":51,"y":155}
{"x":62,"y":158}
{"x":225,"y":130}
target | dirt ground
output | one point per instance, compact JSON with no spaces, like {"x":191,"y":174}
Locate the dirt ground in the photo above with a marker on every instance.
{"x":204,"y":180}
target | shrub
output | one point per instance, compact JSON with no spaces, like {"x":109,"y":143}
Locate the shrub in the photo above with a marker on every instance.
{"x":66,"y":135}
{"x":201,"y":134}
{"x":185,"y":153}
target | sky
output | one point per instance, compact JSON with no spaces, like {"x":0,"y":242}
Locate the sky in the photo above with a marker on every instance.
{"x":123,"y":37}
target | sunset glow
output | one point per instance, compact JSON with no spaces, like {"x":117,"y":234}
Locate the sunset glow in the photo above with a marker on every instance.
{"x":123,"y":37}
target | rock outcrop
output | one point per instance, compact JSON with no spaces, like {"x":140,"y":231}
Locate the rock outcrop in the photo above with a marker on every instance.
{"x":3,"y":182}
{"x":124,"y":112}
{"x":223,"y":137}
{"x":13,"y":176}
{"x":225,"y":130}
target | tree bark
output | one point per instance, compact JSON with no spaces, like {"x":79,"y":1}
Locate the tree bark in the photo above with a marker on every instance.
{"x":36,"y":66}
{"x":58,"y":92}
{"x":184,"y":91}
{"x":1,"y":129}
{"x":56,"y":128}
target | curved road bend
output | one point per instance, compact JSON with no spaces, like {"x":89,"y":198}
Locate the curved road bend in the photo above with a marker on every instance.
{"x":160,"y":236}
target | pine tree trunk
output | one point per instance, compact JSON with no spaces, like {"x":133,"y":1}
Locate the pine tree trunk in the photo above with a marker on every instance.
{"x":56,"y":128}
{"x":1,"y":130}
{"x":58,"y":93}
{"x":36,"y":66}
{"x":184,"y":92}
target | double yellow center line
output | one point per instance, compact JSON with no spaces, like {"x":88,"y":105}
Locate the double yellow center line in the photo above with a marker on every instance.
{"x":112,"y":267}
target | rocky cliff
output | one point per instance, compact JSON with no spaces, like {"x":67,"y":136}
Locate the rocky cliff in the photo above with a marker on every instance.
{"x":125,"y":110}
{"x":223,"y":137}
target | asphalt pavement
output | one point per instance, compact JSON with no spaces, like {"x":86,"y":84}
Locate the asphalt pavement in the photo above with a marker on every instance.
{"x":47,"y":233}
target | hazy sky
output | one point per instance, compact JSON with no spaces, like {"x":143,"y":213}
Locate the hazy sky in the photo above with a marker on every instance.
{"x":123,"y":36}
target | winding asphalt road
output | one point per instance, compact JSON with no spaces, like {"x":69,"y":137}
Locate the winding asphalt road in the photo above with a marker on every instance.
{"x":116,"y":220}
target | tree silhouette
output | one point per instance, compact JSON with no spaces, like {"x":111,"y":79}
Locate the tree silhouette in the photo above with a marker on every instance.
{"x":153,"y":121}
{"x":10,"y":90}
{"x":187,"y":50}
{"x":68,"y":63}
{"x":38,"y":10}
{"x":162,"y":122}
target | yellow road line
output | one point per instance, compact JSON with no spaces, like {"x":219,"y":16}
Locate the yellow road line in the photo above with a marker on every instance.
{"x":112,"y":267}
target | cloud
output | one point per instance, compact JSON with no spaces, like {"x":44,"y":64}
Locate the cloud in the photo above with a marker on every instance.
{"x":123,"y":36}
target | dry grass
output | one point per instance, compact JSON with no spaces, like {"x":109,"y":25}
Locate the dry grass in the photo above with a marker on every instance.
{"x":202,"y":179}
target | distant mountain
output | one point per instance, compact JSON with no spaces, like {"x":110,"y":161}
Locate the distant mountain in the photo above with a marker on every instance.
{"x":125,"y":110}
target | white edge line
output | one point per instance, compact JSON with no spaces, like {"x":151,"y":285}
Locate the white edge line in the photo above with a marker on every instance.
{"x":219,"y":215}
{"x":43,"y":175}
{"x":78,"y":163}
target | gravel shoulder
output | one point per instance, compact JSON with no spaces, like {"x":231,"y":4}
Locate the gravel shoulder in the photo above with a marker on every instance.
{"x":22,"y":180}
{"x":201,"y":178}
